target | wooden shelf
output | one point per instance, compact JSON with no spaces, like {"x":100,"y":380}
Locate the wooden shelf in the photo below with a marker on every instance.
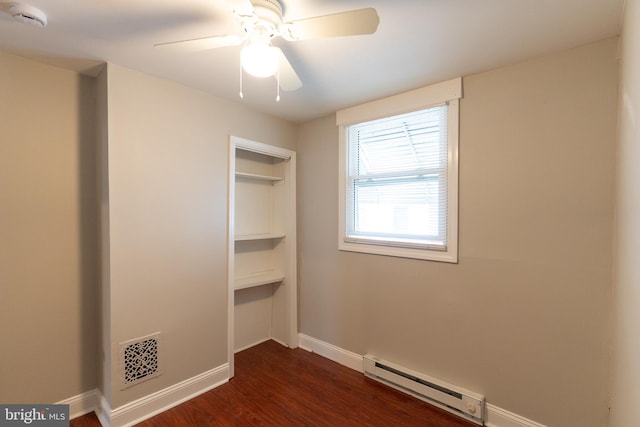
{"x":258,"y":280}
{"x":258,"y":177}
{"x":263,"y":236}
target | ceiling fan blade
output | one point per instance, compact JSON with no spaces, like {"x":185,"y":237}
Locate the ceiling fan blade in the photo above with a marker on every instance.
{"x":204,"y":43}
{"x":355,"y":22}
{"x":289,"y":79}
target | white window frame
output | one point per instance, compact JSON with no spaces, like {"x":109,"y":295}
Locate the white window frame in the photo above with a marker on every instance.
{"x":448,"y":92}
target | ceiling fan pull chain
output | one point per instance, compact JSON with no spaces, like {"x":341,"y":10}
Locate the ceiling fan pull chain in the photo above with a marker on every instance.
{"x":241,"y":94}
{"x":278,"y":84}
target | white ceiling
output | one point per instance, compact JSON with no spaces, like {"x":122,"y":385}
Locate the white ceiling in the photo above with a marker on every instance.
{"x":418,"y":42}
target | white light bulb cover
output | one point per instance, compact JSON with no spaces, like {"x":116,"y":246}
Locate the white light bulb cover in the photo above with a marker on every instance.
{"x":28,"y":14}
{"x":259,"y":59}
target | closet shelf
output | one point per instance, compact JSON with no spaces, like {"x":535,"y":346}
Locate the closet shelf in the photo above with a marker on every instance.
{"x":262,"y":236}
{"x":258,"y":177}
{"x":261,"y":259}
{"x":258,"y":280}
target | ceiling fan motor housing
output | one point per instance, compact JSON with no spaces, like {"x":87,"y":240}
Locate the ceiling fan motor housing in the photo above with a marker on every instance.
{"x":269,"y":13}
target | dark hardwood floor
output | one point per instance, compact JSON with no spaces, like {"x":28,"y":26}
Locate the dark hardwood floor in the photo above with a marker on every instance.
{"x":277,"y":386}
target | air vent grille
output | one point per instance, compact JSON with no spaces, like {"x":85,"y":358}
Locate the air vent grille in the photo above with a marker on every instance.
{"x":140,"y":360}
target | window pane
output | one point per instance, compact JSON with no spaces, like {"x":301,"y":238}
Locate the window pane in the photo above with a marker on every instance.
{"x":408,"y":209}
{"x":410,"y":141}
{"x":397,"y":171}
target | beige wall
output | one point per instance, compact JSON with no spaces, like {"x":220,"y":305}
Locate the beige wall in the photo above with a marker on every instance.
{"x":523,"y":318}
{"x":48,"y":239}
{"x":167,"y":220}
{"x":626,"y":350}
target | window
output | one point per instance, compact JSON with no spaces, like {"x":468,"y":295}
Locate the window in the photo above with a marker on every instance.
{"x":399,"y":175}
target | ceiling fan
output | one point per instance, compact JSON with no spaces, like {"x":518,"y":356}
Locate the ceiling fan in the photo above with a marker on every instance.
{"x":261,"y":21}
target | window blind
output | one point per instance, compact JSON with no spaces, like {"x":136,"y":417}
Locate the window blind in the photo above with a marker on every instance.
{"x":396,"y":180}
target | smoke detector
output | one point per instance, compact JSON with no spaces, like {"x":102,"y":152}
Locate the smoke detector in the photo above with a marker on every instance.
{"x":28,"y":14}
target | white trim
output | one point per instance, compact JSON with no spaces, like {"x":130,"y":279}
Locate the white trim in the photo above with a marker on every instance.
{"x":82,"y":403}
{"x":103,"y":412}
{"x":260,"y":341}
{"x":231,"y":249}
{"x":498,"y":417}
{"x":453,"y":119}
{"x":260,"y":147}
{"x":331,"y":352}
{"x":155,"y":403}
{"x":453,"y":131}
{"x":401,"y":103}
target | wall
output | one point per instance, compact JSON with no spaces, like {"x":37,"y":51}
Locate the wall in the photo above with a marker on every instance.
{"x":48,"y":238}
{"x":523,"y":318}
{"x":167,"y":221}
{"x":626,"y":350}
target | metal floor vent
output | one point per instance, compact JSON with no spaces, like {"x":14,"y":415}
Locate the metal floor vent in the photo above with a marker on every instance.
{"x":139,"y":360}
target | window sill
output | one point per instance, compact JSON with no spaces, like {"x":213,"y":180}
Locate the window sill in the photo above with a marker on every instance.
{"x":449,"y":256}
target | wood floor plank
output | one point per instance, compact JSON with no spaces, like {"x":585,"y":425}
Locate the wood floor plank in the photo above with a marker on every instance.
{"x":277,"y":386}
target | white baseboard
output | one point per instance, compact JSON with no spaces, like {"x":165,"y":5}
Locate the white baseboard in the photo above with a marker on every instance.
{"x":496,"y":417}
{"x":251,"y":345}
{"x":103,"y":412}
{"x":331,"y":352}
{"x":82,"y":404}
{"x":155,"y":403}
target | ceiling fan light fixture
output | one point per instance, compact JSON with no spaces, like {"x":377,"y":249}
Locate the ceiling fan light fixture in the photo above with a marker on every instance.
{"x":262,"y":21}
{"x":259,"y":59}
{"x":28,"y":14}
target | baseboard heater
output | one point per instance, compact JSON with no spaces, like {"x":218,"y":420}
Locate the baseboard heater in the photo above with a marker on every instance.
{"x":450,"y":398}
